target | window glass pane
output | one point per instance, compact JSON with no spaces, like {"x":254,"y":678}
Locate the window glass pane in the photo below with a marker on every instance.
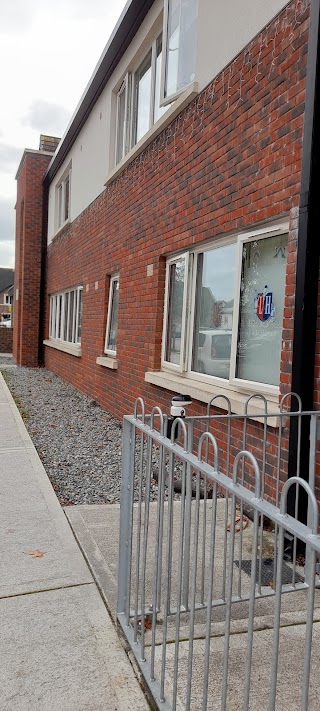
{"x":175,"y":311}
{"x":181,"y":44}
{"x":65,"y":323}
{"x":143,"y":98}
{"x":158,"y":110}
{"x":79,"y":315}
{"x":60,"y":205}
{"x":113,"y":324}
{"x":121,"y":123}
{"x":66,"y":198}
{"x":214,"y":311}
{"x":261,"y":309}
{"x":59,"y":315}
{"x":71,"y":317}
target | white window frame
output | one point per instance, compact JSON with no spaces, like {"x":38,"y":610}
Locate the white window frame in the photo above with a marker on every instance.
{"x":58,"y":316}
{"x":189,"y":297}
{"x":113,"y":279}
{"x":181,"y":367}
{"x":61,"y":199}
{"x":129,"y":85}
{"x":165,"y":100}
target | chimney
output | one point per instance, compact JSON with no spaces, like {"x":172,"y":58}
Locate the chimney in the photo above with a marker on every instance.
{"x":48,"y":143}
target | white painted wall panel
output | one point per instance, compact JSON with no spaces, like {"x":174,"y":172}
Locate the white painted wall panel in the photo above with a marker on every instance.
{"x":224,"y":29}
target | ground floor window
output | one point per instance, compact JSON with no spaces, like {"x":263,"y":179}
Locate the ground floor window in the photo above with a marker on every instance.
{"x":224,"y":309}
{"x":66,"y":315}
{"x":112,"y":317}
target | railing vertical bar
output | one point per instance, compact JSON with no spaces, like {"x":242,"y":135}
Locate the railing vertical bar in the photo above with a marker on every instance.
{"x":193,"y":594}
{"x":296,"y":503}
{"x":309,"y":631}
{"x":156,"y":578}
{"x":162,"y":476}
{"x":125,"y":528}
{"x":136,"y":601}
{"x":251,"y":611}
{"x":187,"y":532}
{"x":276,"y":624}
{"x":228,"y":608}
{"x":167,"y":590}
{"x":131,"y":527}
{"x":262,"y":495}
{"x":225,"y":535}
{"x":209,"y":599}
{"x":145,"y":543}
{"x":179,"y":591}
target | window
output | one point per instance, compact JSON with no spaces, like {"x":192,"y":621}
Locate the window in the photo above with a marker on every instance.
{"x":138,"y":101}
{"x":224,"y":310}
{"x":122,"y":120}
{"x":66,"y":315}
{"x":112,"y":318}
{"x":180,"y":35}
{"x":63,"y":200}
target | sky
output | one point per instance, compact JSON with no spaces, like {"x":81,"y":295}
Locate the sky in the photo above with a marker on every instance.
{"x":48,"y":51}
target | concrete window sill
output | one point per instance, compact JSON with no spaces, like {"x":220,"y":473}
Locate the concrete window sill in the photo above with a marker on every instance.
{"x":203,"y":392}
{"x":70,"y":348}
{"x":106,"y":362}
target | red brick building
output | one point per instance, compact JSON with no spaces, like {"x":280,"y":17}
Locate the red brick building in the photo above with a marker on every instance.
{"x":170,"y":243}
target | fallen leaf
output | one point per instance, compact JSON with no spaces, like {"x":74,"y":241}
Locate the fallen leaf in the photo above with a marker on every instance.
{"x":36,"y":554}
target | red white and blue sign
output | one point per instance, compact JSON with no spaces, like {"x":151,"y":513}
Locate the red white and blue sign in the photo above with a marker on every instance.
{"x":263,"y":304}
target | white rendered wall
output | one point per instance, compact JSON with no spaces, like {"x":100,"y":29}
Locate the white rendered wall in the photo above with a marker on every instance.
{"x":224,"y":29}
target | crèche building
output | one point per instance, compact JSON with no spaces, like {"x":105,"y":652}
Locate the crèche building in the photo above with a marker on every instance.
{"x":171,"y":235}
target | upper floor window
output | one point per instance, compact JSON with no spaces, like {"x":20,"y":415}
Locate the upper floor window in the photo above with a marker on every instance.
{"x":138,"y":101}
{"x":180,"y":35}
{"x":63,"y":200}
{"x":66,"y":315}
{"x":112,"y":317}
{"x":224,"y":310}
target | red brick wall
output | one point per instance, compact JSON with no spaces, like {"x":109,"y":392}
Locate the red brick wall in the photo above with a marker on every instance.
{"x":6,"y":340}
{"x":230,"y":161}
{"x":28,"y":257}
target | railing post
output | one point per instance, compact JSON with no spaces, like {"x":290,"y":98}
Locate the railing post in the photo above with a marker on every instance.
{"x":125,"y":515}
{"x":187,"y":528}
{"x":309,"y":567}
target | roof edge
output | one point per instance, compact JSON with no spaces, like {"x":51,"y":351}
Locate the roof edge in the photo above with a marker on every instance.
{"x":126,"y":28}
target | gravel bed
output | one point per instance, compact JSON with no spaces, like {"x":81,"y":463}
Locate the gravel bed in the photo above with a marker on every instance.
{"x":78,"y":442}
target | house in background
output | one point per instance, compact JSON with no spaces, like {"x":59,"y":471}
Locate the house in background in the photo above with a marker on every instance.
{"x":6,"y":292}
{"x":187,"y":169}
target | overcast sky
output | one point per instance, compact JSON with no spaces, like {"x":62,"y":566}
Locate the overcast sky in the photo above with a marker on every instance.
{"x":48,"y":51}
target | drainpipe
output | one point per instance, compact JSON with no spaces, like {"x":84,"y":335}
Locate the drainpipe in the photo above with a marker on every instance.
{"x":43,"y":296}
{"x":306,"y":295}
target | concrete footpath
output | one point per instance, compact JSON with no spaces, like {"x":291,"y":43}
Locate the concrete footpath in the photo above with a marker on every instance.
{"x":59,"y":650}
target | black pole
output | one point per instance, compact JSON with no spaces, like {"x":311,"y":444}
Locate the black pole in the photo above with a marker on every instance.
{"x":45,"y":195}
{"x":306,"y":295}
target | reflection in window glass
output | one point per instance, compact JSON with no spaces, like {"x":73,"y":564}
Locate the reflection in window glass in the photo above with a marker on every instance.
{"x":213,"y":318}
{"x":175,"y":311}
{"x":181,"y":44}
{"x":111,"y":341}
{"x":261,"y":309}
{"x":143,"y":89}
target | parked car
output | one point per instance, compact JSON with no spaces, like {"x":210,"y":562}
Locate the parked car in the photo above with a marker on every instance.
{"x":214,"y":352}
{"x":6,"y":321}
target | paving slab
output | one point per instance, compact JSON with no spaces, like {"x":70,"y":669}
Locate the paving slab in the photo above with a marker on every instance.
{"x":59,"y":649}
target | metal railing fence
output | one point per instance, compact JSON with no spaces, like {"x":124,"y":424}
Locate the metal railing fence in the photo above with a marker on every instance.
{"x":201,"y":557}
